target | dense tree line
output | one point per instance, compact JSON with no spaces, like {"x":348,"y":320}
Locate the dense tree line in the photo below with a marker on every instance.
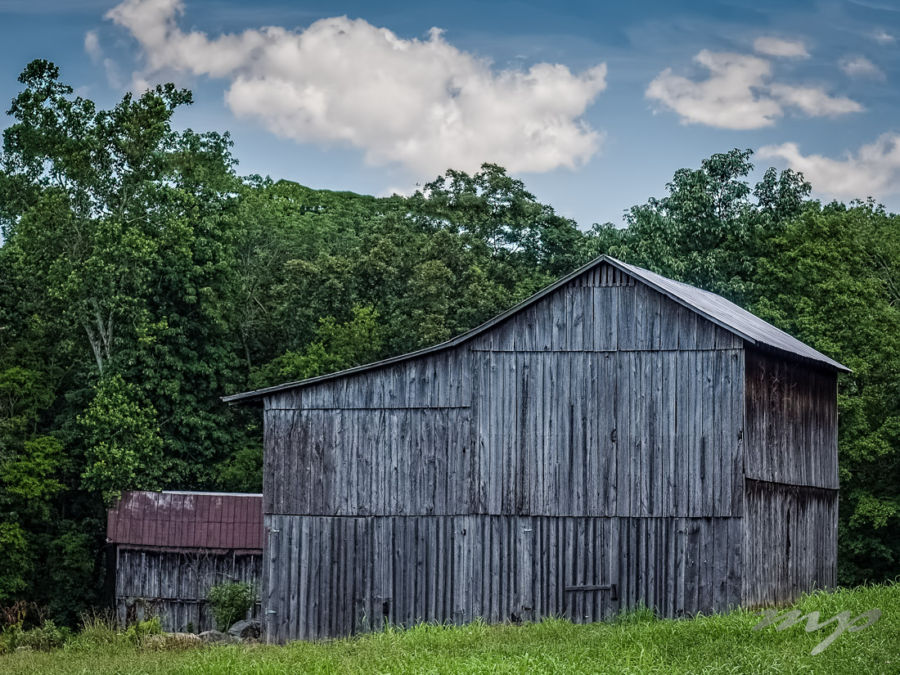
{"x":141,"y":279}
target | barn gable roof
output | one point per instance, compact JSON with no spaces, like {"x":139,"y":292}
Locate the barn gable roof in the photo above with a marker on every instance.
{"x":186,"y":520}
{"x":710,"y":306}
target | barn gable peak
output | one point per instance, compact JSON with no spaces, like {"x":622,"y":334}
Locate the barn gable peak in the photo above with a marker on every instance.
{"x":608,"y":271}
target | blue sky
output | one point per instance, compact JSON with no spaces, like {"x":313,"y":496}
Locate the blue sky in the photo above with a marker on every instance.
{"x":594,"y":105}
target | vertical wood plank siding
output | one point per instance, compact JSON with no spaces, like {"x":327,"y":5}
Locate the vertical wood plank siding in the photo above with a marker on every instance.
{"x":791,"y":422}
{"x":595,"y":438}
{"x":790,"y":529}
{"x":173,"y":585}
{"x":402,"y":570}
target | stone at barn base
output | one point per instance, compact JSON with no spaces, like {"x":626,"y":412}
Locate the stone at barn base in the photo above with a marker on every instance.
{"x":171,"y":641}
{"x":217,"y":637}
{"x":246,"y":629}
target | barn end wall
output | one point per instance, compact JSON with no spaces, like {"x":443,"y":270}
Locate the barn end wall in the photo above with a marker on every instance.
{"x":591,"y":440}
{"x":791,"y":491}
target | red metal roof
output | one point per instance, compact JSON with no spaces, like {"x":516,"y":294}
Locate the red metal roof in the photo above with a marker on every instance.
{"x":199,"y":520}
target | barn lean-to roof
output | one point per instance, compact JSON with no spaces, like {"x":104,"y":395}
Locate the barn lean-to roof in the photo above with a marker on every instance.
{"x":710,"y":306}
{"x":183,"y":520}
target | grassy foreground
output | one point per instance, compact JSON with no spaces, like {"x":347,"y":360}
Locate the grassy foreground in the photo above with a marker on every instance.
{"x":636,"y":643}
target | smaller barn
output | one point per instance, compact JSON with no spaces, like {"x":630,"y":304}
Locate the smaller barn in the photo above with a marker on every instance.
{"x":168,"y":548}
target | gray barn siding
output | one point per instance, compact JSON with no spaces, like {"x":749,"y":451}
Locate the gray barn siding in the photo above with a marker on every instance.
{"x":644,"y":433}
{"x":790,"y":542}
{"x":173,"y":584}
{"x":338,"y":575}
{"x":590,"y":440}
{"x":603,"y":435}
{"x":791,"y":422}
{"x":790,"y":528}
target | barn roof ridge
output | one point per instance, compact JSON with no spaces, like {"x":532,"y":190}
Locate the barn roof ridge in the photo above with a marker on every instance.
{"x":710,"y":306}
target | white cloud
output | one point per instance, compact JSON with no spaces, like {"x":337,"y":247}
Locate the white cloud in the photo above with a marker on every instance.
{"x":860,"y":66}
{"x":882,"y":37}
{"x":814,"y":101}
{"x":423,"y":104}
{"x":772,"y":46}
{"x":92,"y":46}
{"x":95,"y":52}
{"x":727,"y":98}
{"x":739,"y":94}
{"x":874,"y":170}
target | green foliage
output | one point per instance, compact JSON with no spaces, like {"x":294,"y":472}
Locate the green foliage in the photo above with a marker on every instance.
{"x":138,"y":632}
{"x":833,"y":280}
{"x":98,"y":630}
{"x":707,"y":231}
{"x":122,"y":439}
{"x":242,"y":472}
{"x":335,"y":347}
{"x":15,"y":563}
{"x":45,"y":637}
{"x":141,"y":280}
{"x":230,"y":602}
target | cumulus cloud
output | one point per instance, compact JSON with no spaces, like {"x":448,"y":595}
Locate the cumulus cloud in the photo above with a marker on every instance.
{"x":423,"y":104}
{"x":739,"y":93}
{"x":873,"y":171}
{"x":772,"y":46}
{"x":727,"y":98}
{"x":860,"y":66}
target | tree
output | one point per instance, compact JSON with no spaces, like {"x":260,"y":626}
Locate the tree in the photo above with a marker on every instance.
{"x":833,"y":280}
{"x":122,"y":439}
{"x":707,"y":231}
{"x":117,"y":273}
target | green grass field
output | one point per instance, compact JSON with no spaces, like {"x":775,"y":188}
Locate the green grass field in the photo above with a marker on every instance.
{"x":635,"y":643}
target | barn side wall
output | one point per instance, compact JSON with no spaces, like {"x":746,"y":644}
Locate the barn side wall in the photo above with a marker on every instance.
{"x":341,"y":575}
{"x":173,"y":584}
{"x":791,"y":491}
{"x":605,"y":406}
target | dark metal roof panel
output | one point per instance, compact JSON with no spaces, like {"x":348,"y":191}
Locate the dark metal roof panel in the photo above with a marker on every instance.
{"x":187,"y":520}
{"x":709,"y":305}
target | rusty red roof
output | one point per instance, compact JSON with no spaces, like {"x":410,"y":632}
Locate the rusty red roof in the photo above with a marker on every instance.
{"x":198,"y":520}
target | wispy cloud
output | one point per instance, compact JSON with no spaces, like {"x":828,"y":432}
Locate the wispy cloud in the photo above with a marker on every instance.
{"x":772,"y":46}
{"x":882,"y":37}
{"x":95,"y":51}
{"x":860,"y":66}
{"x":423,"y":104}
{"x":872,"y":171}
{"x":92,"y":46}
{"x":739,"y":93}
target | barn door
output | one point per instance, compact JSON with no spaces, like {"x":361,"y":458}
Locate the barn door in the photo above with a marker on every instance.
{"x":590,"y":593}
{"x":525,"y":567}
{"x":269,"y":594}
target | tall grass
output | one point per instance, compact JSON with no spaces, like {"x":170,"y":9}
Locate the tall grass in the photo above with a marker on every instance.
{"x":635,"y":642}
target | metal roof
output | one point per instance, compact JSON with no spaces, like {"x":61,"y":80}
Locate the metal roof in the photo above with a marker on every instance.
{"x":713,"y":307}
{"x":728,"y":315}
{"x":187,"y":520}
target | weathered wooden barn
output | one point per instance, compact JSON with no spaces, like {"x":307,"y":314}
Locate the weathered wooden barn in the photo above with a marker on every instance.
{"x":618,"y":438}
{"x":168,"y":548}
